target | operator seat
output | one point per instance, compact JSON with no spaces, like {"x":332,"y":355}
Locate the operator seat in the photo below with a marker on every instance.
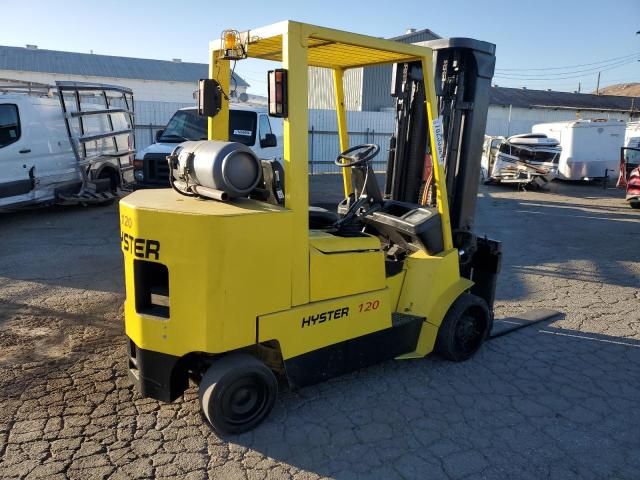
{"x":321,"y":218}
{"x":408,"y":225}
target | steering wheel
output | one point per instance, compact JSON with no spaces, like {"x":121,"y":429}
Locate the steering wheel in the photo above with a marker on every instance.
{"x":358,"y":155}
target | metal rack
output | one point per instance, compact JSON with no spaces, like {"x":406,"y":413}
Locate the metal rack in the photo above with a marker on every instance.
{"x":84,"y":106}
{"x":75,"y":117}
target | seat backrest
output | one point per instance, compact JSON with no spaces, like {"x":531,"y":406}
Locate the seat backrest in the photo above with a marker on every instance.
{"x":365,"y":183}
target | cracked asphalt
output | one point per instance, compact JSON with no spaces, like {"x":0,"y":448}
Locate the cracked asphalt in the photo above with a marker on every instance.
{"x":557,"y":400}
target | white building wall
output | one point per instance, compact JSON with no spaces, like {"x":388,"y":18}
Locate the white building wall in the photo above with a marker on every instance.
{"x":143,"y":90}
{"x":377,"y":127}
{"x":155,"y":101}
{"x":363,"y":127}
{"x":522,"y":119}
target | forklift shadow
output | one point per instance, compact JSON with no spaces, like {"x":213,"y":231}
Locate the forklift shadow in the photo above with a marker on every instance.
{"x":401,"y":419}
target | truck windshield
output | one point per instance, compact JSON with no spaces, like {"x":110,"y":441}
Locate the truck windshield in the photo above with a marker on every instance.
{"x":187,"y":125}
{"x":530,"y":154}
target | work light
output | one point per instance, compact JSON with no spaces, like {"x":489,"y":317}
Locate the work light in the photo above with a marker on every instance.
{"x":232,"y":47}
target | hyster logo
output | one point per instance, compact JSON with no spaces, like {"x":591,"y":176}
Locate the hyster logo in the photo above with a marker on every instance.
{"x":140,"y":247}
{"x":323,"y":317}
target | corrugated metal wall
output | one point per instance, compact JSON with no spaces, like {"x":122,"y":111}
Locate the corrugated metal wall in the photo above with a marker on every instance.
{"x":376,"y":81}
{"x":321,"y":92}
{"x":376,"y":88}
{"x":366,"y":90}
{"x":364,"y":127}
{"x":522,"y":119}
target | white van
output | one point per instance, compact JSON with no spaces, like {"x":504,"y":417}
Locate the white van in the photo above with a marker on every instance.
{"x":590,"y":148}
{"x":67,"y":151}
{"x":248,"y":125}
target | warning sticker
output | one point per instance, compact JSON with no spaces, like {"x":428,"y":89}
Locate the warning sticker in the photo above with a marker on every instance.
{"x":439,"y":138}
{"x":244,"y":133}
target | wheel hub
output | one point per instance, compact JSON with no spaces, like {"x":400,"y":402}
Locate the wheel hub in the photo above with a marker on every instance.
{"x":243,"y":400}
{"x":468,"y":333}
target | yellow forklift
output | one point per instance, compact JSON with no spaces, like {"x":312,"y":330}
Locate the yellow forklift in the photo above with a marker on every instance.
{"x":234,"y":281}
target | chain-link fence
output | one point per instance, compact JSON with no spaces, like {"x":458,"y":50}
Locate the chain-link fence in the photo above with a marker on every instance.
{"x":324,"y":143}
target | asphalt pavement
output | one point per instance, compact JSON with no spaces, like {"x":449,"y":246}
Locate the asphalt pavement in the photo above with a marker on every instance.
{"x":556,"y":400}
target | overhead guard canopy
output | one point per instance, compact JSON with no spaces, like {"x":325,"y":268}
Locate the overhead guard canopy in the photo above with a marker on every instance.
{"x":329,"y":48}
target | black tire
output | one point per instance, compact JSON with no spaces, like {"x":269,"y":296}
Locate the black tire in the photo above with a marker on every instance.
{"x":237,"y":392}
{"x":634,"y":203}
{"x":464,"y":328}
{"x":112,"y":175}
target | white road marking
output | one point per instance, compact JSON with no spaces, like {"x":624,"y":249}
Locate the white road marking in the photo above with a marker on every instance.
{"x":591,"y":338}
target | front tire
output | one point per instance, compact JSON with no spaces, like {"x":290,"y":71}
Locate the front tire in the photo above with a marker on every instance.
{"x":464,"y":328}
{"x":634,"y":203}
{"x":237,"y":392}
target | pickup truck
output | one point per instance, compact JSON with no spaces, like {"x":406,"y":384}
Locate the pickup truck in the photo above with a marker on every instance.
{"x":248,"y":125}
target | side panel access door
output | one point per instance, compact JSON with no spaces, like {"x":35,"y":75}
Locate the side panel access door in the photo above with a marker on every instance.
{"x":17,"y":170}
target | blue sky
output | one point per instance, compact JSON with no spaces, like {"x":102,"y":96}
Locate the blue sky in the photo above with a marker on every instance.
{"x":556,"y":37}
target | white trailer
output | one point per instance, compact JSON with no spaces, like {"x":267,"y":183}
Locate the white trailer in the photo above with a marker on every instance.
{"x":590,"y":148}
{"x":66,"y":143}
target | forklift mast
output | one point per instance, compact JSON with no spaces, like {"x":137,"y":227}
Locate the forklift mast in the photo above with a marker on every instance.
{"x":463,"y":68}
{"x":463,"y":71}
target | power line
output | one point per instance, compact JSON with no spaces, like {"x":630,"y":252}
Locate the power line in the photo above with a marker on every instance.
{"x":547,"y":79}
{"x":588,"y":81}
{"x":570,"y":66}
{"x":552,"y":75}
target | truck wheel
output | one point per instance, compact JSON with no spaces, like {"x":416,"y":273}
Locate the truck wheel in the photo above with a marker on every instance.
{"x":634,"y":204}
{"x":112,"y":176}
{"x":464,"y":328}
{"x":237,"y":392}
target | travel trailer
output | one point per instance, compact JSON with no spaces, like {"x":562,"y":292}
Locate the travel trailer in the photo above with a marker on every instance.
{"x":590,"y":148}
{"x":250,"y":126}
{"x":66,"y":143}
{"x":526,"y":160}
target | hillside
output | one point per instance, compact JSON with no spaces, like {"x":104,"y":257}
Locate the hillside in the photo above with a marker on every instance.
{"x":622,"y":89}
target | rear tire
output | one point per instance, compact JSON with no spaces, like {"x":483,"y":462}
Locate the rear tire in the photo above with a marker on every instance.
{"x":112,"y":175}
{"x":237,"y":392}
{"x":464,"y":328}
{"x":634,"y":203}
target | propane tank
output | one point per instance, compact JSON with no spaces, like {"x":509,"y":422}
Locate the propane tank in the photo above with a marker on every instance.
{"x":214,"y":169}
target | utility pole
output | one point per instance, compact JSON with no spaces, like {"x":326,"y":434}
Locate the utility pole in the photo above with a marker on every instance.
{"x":579,"y":85}
{"x":598,"y":85}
